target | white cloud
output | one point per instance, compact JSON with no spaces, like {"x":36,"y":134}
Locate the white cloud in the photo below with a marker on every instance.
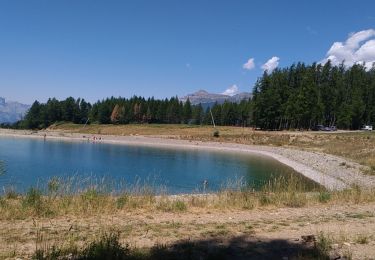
{"x":358,"y":48}
{"x":249,"y":65}
{"x":231,"y":91}
{"x":271,"y":64}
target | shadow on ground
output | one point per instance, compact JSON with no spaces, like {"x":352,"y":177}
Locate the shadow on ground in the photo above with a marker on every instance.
{"x":242,"y":247}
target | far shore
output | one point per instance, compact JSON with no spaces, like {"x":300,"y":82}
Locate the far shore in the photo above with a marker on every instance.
{"x":332,"y":172}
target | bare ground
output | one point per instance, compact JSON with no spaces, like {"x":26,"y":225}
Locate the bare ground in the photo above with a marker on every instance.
{"x":268,"y":232}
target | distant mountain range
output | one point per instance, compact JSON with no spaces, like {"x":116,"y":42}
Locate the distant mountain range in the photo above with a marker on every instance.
{"x":209,"y":99}
{"x":11,"y":111}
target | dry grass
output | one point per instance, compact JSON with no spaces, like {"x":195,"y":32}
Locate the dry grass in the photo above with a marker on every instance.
{"x":68,"y":234}
{"x":58,"y":199}
{"x":108,"y":246}
{"x":356,"y":146}
{"x":141,"y":129}
{"x":47,"y":218}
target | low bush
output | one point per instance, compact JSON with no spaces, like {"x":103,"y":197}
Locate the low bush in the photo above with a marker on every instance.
{"x":107,"y":246}
{"x":324,"y":196}
{"x":33,"y":198}
{"x":323,"y":244}
{"x":122,"y":201}
{"x":179,"y":206}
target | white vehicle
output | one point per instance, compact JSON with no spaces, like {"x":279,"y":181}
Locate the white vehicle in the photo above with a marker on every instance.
{"x":367,"y":128}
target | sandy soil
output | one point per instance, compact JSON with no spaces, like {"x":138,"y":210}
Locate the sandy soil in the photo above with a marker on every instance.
{"x":333,"y":172}
{"x":351,"y":228}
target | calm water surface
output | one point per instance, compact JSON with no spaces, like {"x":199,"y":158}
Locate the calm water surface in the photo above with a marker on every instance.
{"x":29,"y":162}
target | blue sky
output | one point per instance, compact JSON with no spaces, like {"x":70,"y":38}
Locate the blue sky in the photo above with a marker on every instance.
{"x":95,"y":49}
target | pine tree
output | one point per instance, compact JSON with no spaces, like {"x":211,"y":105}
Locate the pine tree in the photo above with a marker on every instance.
{"x":187,"y":111}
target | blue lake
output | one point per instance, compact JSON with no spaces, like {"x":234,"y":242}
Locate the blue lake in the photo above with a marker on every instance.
{"x":26,"y":162}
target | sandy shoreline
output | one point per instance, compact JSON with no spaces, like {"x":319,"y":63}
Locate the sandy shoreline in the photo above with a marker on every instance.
{"x":334,"y":173}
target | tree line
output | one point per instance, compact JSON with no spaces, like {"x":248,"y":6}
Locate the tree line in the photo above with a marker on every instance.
{"x":297,"y":97}
{"x":302,"y":96}
{"x":134,"y":110}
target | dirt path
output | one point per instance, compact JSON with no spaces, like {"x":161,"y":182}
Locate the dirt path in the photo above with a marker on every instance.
{"x":269,"y":231}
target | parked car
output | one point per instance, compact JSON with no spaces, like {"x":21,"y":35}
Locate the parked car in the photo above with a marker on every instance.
{"x":333,"y":128}
{"x":367,"y":128}
{"x":318,"y":128}
{"x":324,"y":128}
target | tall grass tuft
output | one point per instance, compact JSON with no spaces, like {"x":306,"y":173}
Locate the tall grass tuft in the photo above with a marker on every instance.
{"x":323,"y":244}
{"x":33,"y":199}
{"x":64,"y":197}
{"x":10,"y":193}
{"x":324,"y":196}
{"x":290,"y":191}
{"x":107,"y":246}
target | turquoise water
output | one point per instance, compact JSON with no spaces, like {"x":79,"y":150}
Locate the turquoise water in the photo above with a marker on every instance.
{"x":27,"y":162}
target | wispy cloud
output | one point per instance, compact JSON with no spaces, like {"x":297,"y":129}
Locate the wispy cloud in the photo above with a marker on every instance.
{"x":271,"y":64}
{"x":249,"y":65}
{"x":231,"y":91}
{"x":359,"y":47}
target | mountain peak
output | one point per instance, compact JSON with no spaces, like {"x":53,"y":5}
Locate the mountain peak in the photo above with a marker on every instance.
{"x":201,"y":92}
{"x":11,"y":112}
{"x":208,"y":99}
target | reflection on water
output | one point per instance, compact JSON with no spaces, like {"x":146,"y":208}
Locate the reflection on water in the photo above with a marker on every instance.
{"x":30,"y":162}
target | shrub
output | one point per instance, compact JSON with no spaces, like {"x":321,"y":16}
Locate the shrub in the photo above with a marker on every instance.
{"x":90,"y":195}
{"x":11,"y":194}
{"x":265,"y":199}
{"x":324,"y":197}
{"x":179,"y":206}
{"x":2,"y":203}
{"x":296,"y":200}
{"x":216,"y":133}
{"x":323,"y":244}
{"x":91,"y":199}
{"x":33,"y":198}
{"x":362,"y":239}
{"x":53,"y":185}
{"x":107,"y":247}
{"x":49,"y":254}
{"x":174,"y":206}
{"x":122,"y":201}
